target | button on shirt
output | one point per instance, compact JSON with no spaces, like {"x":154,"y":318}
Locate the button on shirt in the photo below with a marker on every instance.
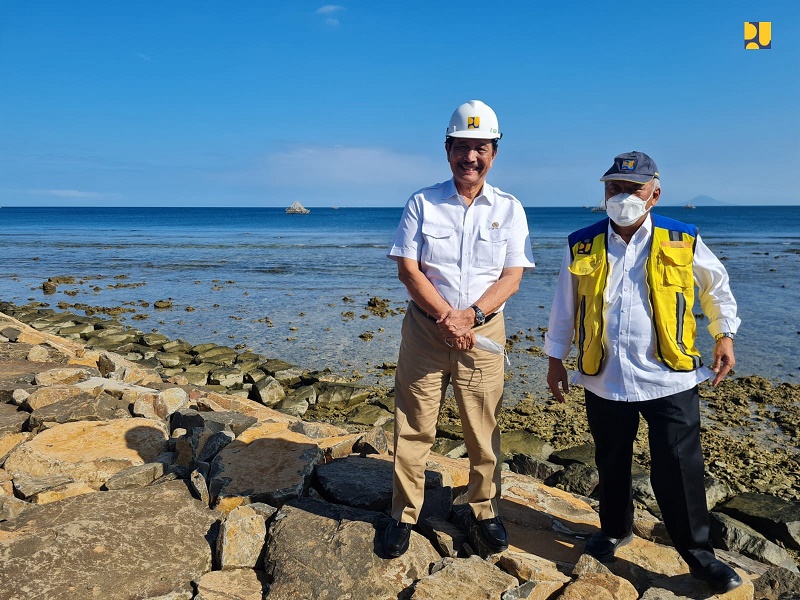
{"x":462,"y":249}
{"x":631,"y":371}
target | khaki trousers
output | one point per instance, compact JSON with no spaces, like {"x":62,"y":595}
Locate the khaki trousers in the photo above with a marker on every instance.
{"x":424,"y":368}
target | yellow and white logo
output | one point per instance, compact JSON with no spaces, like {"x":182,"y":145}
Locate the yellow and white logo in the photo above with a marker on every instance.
{"x":628,"y":165}
{"x":757,"y":35}
{"x":473,"y":122}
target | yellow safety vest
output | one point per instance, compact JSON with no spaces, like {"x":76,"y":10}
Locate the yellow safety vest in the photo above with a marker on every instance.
{"x":670,"y":282}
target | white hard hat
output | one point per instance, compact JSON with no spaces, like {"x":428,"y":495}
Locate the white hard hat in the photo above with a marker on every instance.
{"x":474,"y":119}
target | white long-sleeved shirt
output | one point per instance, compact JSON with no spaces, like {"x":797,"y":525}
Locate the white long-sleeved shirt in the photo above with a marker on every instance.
{"x":631,"y":371}
{"x":462,"y":249}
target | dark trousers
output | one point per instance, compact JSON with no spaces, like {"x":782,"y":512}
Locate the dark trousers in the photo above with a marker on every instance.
{"x":676,"y":470}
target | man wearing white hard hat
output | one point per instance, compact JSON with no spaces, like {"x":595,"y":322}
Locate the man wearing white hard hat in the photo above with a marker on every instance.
{"x":461,"y":248}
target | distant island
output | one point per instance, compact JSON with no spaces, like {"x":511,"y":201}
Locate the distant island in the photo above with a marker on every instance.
{"x":698,"y":201}
{"x":297,"y":209}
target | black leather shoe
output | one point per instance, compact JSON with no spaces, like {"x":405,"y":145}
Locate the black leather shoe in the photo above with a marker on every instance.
{"x":720,"y":577}
{"x":603,"y":547}
{"x":493,"y":534}
{"x":396,"y":538}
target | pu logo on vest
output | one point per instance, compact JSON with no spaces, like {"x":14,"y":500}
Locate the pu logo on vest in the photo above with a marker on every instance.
{"x":757,"y":35}
{"x":473,"y":122}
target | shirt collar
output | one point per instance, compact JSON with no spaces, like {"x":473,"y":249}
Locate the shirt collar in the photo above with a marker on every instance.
{"x":643,"y":233}
{"x":486,"y":195}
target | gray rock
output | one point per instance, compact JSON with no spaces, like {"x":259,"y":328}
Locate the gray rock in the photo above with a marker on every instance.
{"x":288,"y":377}
{"x":214,"y":444}
{"x":643,"y":494}
{"x":153,"y":340}
{"x":359,"y":482}
{"x":198,"y":486}
{"x":219,"y":355}
{"x":214,"y":421}
{"x":373,"y":441}
{"x":27,"y":485}
{"x":341,"y":393}
{"x":524,"y":442}
{"x":11,"y":419}
{"x":268,"y":391}
{"x":11,"y":508}
{"x":521,"y":592}
{"x":463,"y":579}
{"x":136,"y":476}
{"x":51,"y":551}
{"x":176,"y":346}
{"x":173,"y":359}
{"x":773,"y":517}
{"x":293,"y":405}
{"x":11,"y":333}
{"x":370,"y":415}
{"x":716,"y":491}
{"x":576,"y":478}
{"x":445,"y":445}
{"x":729,"y":534}
{"x":583,"y":454}
{"x":80,"y":408}
{"x":226,"y":376}
{"x":320,"y":550}
{"x":777,"y":584}
{"x":533,"y":467}
{"x":447,"y":538}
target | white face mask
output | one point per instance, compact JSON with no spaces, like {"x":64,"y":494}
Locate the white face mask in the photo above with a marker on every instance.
{"x":626,"y":209}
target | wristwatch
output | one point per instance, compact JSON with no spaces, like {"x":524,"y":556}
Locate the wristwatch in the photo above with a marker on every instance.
{"x":724,"y":334}
{"x":480,"y":317}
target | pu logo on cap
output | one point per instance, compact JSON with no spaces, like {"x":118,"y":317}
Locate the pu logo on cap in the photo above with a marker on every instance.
{"x":757,"y":35}
{"x":628,"y":165}
{"x":473,"y":122}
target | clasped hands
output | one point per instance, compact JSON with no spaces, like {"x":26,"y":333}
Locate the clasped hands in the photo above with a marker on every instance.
{"x":455,"y":326}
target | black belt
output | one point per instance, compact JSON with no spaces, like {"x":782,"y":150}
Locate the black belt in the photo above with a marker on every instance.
{"x":432,"y":318}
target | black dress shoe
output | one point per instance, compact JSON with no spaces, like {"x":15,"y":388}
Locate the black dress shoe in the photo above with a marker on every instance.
{"x":603,"y":547}
{"x":720,"y":577}
{"x":493,"y":534}
{"x":396,"y":538}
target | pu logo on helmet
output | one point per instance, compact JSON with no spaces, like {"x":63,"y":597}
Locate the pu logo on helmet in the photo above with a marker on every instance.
{"x":473,"y":122}
{"x":628,"y":165}
{"x":757,"y":35}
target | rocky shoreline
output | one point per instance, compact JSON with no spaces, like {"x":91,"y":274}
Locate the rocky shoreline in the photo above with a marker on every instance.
{"x":245,"y":475}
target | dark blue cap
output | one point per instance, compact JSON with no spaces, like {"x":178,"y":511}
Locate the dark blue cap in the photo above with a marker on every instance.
{"x":632,"y":166}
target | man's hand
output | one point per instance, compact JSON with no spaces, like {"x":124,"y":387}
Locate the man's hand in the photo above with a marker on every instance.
{"x":557,"y":374}
{"x":724,"y":359}
{"x":466,"y":341}
{"x":456,"y":323}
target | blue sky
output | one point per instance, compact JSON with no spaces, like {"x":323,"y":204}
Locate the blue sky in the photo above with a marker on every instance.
{"x":201,"y":103}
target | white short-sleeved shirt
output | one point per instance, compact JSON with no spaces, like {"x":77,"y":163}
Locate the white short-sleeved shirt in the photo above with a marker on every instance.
{"x":462,"y":249}
{"x":631,"y":371}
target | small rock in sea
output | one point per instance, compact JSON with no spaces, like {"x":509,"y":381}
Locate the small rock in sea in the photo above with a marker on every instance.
{"x":347,"y":299}
{"x":163,"y":304}
{"x":189,"y":309}
{"x":140,"y":317}
{"x":49,"y":288}
{"x":367,"y":336}
{"x":349,"y":314}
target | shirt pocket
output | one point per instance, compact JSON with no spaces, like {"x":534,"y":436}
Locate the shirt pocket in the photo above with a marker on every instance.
{"x":585,"y":265}
{"x":675,"y":268}
{"x":437,"y":242}
{"x":490,"y":249}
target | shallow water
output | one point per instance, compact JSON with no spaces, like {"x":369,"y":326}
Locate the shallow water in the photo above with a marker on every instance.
{"x":237,"y":266}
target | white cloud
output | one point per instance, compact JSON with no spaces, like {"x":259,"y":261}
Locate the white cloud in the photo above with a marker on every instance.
{"x":144,"y":57}
{"x":329,"y":8}
{"x":349,"y":166}
{"x":332,"y":22}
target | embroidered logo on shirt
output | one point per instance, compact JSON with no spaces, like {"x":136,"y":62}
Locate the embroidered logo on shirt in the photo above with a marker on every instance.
{"x":584,"y":246}
{"x":628,"y":165}
{"x":473,"y":122}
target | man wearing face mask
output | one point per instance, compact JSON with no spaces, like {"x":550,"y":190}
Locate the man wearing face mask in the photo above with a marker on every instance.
{"x":625,"y":294}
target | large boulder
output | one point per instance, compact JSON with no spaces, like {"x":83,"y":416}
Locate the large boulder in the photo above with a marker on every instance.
{"x":89,"y":451}
{"x":472,"y":578}
{"x":110,"y":545}
{"x":729,"y":534}
{"x":326,"y":551}
{"x":266,"y":463}
{"x":775,"y":518}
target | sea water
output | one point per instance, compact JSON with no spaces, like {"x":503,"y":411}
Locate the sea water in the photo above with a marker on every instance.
{"x":312,"y":276}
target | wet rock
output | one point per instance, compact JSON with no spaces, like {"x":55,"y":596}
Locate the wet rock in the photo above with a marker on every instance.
{"x":241,"y":540}
{"x":339,"y":543}
{"x":38,"y":556}
{"x":80,"y":408}
{"x":583,"y":454}
{"x":533,"y":467}
{"x":467,"y":578}
{"x":173,"y":359}
{"x":89,"y":451}
{"x":729,"y":534}
{"x":153,"y":340}
{"x":575,"y":478}
{"x":176,"y":346}
{"x":775,"y":518}
{"x":234,"y":584}
{"x":268,"y":391}
{"x":523,"y":442}
{"x":266,"y":463}
{"x":370,"y":415}
{"x":341,"y":393}
{"x":162,"y":304}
